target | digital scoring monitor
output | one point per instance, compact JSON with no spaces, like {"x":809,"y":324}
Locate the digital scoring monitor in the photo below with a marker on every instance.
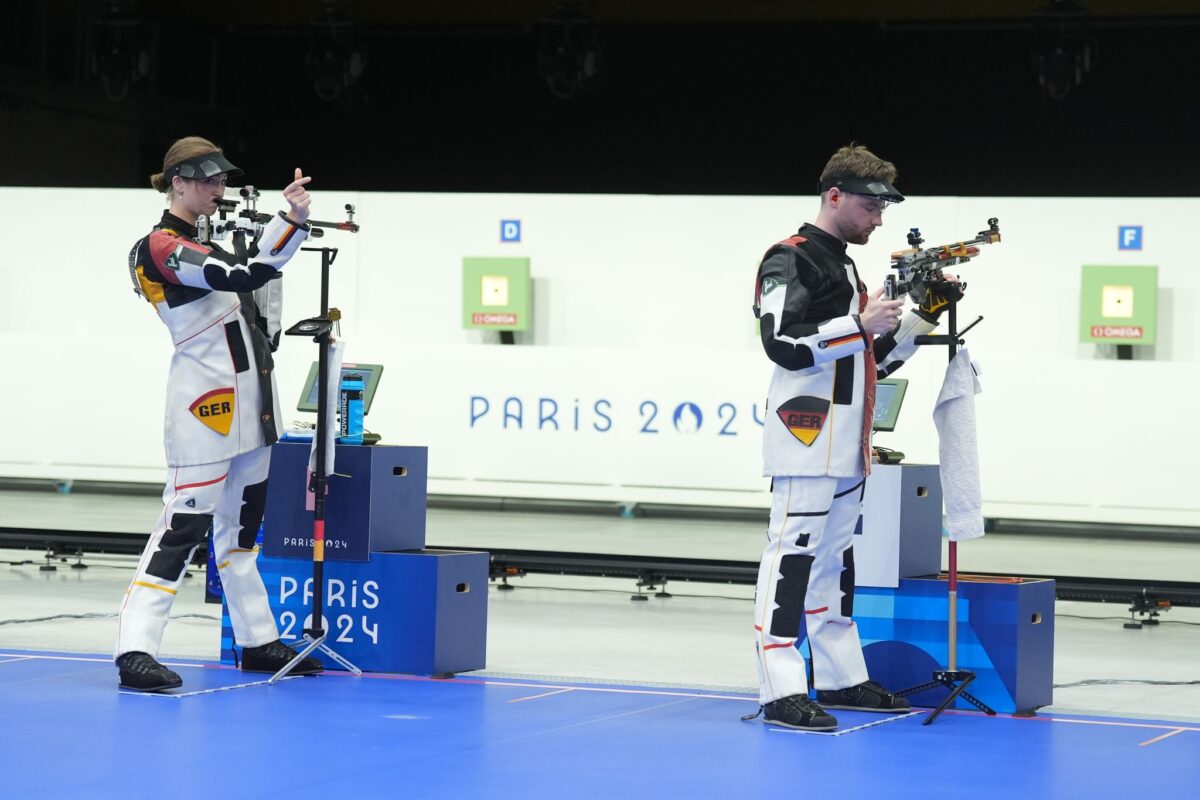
{"x":370,"y":373}
{"x":889,"y":395}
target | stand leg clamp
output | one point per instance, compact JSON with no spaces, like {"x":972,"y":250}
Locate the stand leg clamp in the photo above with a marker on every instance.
{"x":954,"y":680}
{"x":313,"y":644}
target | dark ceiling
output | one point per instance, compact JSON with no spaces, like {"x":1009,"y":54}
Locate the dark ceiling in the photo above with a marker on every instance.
{"x":984,"y":97}
{"x":657,"y":12}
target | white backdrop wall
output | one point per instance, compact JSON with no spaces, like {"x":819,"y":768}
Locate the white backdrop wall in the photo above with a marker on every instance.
{"x":643,"y":377}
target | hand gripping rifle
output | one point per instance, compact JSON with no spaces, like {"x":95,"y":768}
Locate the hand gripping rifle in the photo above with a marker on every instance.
{"x":917,"y":268}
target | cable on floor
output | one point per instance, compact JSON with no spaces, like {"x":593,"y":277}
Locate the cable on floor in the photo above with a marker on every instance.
{"x":626,"y":592}
{"x":97,"y":615}
{"x":1122,"y":681}
{"x":1126,"y":619}
{"x":63,"y":563}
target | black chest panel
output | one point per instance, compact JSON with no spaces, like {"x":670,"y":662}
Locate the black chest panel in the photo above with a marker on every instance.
{"x":830,"y":292}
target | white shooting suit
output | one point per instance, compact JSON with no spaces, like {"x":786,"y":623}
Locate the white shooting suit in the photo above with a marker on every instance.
{"x":222,"y":312}
{"x":816,"y":434}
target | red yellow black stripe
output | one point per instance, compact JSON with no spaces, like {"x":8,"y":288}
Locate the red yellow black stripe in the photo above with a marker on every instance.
{"x":283,"y":240}
{"x":318,"y":540}
{"x":847,"y":339}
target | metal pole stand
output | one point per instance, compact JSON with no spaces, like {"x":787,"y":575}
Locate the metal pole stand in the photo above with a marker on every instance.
{"x":952,"y":678}
{"x":319,"y":328}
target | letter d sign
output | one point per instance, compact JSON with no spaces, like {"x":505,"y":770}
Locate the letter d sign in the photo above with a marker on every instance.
{"x":510,"y":230}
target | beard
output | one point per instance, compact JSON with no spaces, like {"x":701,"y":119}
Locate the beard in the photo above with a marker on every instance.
{"x":859,"y":237}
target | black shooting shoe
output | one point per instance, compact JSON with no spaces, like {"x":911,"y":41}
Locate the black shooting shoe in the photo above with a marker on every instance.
{"x":274,"y":656}
{"x":141,"y":673}
{"x":867,"y":696}
{"x":799,"y":712}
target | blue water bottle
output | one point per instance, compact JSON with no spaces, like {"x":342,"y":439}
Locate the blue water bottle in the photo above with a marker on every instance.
{"x":350,"y":408}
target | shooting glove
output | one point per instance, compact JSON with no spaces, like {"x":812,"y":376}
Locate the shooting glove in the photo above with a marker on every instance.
{"x":933,"y":297}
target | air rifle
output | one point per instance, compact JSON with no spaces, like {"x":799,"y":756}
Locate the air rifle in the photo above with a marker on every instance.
{"x":918,"y":268}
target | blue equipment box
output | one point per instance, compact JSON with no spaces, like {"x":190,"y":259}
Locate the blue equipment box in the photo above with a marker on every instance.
{"x":379,"y":505}
{"x":422,"y":612}
{"x":1005,"y":636}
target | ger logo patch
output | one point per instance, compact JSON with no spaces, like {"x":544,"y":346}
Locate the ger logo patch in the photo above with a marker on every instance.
{"x":172,"y":260}
{"x":215,"y":409}
{"x":804,"y":417}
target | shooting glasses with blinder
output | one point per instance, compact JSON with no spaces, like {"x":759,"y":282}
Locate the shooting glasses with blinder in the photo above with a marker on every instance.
{"x":206,"y":165}
{"x":871,"y":187}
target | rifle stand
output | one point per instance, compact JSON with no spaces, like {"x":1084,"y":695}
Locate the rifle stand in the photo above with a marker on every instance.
{"x":952,"y":678}
{"x":319,"y":328}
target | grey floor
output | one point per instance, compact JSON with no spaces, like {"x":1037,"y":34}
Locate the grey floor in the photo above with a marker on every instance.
{"x":588,"y":629}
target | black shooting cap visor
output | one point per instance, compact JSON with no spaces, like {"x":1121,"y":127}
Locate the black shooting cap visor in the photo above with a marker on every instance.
{"x":871,"y":187}
{"x":203,"y":166}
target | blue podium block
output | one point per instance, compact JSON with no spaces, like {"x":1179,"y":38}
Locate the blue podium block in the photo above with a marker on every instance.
{"x":421,"y":612}
{"x":378,"y":506}
{"x":1005,"y":636}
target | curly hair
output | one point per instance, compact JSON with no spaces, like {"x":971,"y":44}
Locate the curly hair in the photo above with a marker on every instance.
{"x":855,"y":160}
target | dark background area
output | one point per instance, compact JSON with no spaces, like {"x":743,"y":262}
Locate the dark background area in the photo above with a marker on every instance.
{"x":995,"y":97}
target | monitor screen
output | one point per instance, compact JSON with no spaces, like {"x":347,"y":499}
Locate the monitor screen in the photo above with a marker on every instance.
{"x":370,"y":373}
{"x":889,"y":395}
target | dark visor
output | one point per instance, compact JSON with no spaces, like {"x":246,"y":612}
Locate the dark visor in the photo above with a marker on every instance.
{"x":871,"y":187}
{"x":203,"y":166}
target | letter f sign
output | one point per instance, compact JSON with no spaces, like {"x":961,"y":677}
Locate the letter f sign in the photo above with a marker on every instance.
{"x":1129,"y":237}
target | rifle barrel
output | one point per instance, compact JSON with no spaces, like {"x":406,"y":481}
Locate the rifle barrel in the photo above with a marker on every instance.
{"x":341,"y":226}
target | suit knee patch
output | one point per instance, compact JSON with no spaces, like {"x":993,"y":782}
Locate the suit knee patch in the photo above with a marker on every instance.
{"x":176,"y":545}
{"x":790,"y":591}
{"x":847,"y":582}
{"x":254,"y":501}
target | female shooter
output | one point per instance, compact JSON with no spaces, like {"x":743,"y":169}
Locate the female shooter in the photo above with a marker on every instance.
{"x":222,"y":414}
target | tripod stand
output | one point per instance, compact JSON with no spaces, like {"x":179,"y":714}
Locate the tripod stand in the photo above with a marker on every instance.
{"x":952,"y":678}
{"x":319,"y":328}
